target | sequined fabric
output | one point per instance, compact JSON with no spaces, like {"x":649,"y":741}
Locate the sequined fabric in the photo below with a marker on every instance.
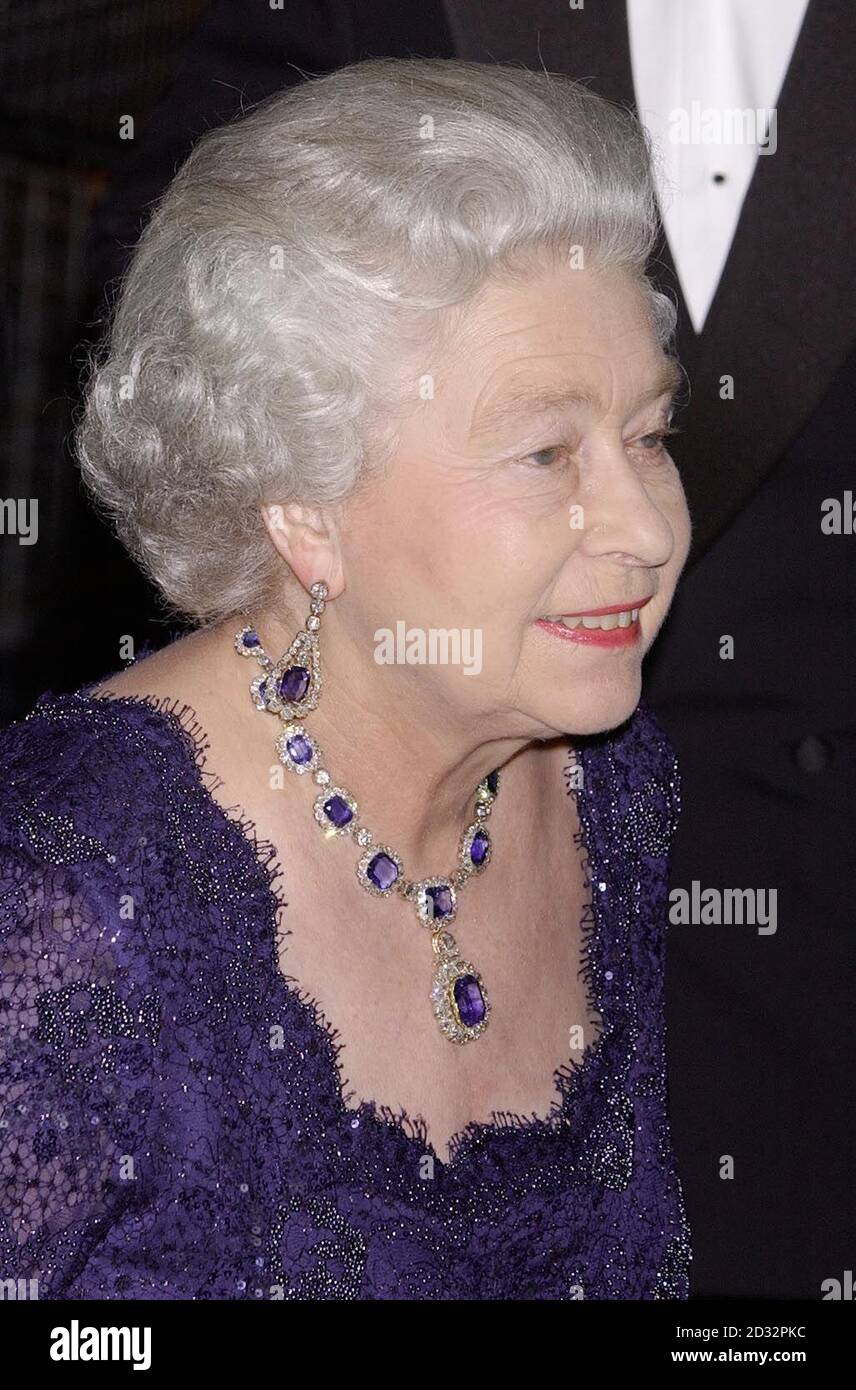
{"x":172,"y":1122}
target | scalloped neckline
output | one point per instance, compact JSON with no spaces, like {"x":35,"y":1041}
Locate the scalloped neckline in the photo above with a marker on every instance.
{"x":568,"y":1077}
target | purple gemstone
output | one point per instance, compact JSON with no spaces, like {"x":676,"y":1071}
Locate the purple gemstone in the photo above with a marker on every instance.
{"x":338,"y":811}
{"x":294,"y":684}
{"x":251,"y":639}
{"x":440,"y":901}
{"x":469,"y":1000}
{"x":299,"y":749}
{"x":382,"y":871}
{"x":478,"y":848}
{"x":492,"y":781}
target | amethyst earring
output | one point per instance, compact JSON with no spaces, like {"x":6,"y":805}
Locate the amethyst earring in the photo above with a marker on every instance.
{"x":290,"y":688}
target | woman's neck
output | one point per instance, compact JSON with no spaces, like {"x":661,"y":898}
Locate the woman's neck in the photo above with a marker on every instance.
{"x":412,"y":766}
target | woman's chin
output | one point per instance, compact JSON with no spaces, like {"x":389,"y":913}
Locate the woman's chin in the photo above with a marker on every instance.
{"x":597,"y":710}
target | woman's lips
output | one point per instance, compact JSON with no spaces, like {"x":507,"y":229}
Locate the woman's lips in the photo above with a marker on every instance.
{"x":594,"y":636}
{"x":614,"y":626}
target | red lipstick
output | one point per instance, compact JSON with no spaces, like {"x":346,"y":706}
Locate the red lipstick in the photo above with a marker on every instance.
{"x":598,"y":636}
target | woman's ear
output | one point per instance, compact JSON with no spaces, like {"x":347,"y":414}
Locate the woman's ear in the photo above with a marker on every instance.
{"x":307,"y":538}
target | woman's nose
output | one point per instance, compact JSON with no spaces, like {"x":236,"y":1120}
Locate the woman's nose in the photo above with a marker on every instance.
{"x":620,"y":515}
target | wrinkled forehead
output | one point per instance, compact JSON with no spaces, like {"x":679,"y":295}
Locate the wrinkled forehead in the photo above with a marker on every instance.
{"x":555,"y":341}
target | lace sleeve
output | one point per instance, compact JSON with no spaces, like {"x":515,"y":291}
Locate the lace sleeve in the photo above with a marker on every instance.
{"x":77,"y":1032}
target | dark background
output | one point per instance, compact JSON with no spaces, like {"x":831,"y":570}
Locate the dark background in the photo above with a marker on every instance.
{"x":68,"y":72}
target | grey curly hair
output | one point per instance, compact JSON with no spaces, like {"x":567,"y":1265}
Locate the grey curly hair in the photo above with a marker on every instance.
{"x":251,"y":353}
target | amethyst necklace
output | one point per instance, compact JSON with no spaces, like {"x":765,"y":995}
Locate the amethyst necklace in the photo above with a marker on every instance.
{"x":290,"y":688}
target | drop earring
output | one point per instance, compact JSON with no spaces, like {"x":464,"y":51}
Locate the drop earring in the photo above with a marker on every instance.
{"x":291,"y":687}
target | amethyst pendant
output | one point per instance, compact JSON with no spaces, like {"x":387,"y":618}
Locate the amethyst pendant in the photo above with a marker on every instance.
{"x":458,"y":993}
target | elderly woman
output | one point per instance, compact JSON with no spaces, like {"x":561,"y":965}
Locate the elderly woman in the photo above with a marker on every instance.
{"x":333,"y":933}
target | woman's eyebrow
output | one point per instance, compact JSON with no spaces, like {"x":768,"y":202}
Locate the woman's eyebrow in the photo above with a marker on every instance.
{"x":667,"y":382}
{"x":521,"y":400}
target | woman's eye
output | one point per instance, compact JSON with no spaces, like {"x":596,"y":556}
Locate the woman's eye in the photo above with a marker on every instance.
{"x":654,"y":442}
{"x":557,"y":454}
{"x":545,"y":458}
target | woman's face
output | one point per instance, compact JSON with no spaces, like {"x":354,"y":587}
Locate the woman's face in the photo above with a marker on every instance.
{"x":533,"y":485}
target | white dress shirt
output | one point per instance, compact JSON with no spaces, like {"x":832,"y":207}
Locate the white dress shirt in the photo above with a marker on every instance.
{"x":707,"y":74}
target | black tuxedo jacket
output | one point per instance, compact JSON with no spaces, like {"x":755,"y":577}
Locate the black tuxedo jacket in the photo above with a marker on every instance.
{"x":760,"y":1047}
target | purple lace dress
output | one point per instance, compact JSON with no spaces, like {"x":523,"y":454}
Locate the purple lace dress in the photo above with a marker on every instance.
{"x":172,"y":1118}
